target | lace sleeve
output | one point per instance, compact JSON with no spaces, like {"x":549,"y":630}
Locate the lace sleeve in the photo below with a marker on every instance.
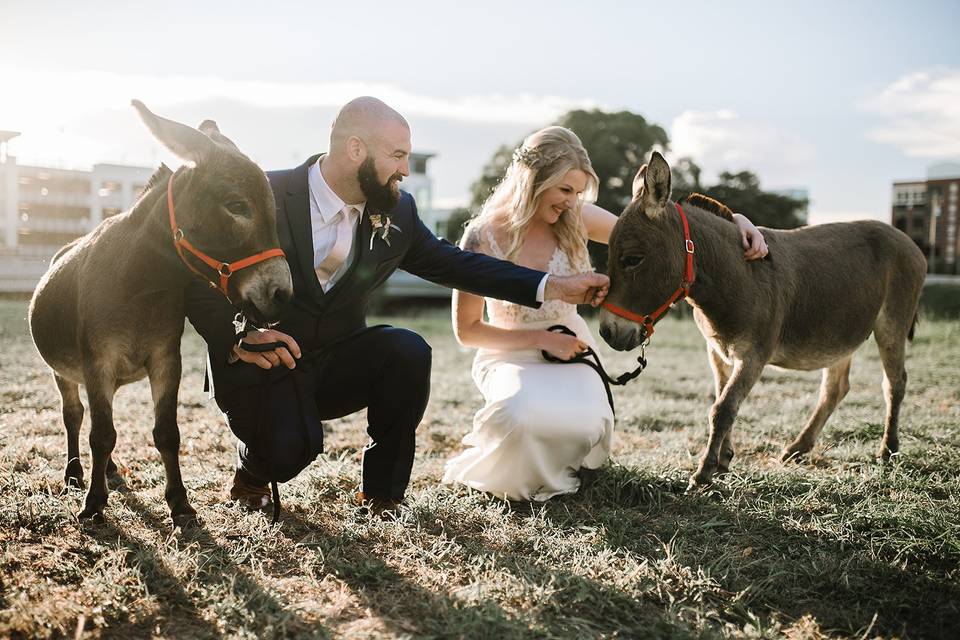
{"x":474,"y":240}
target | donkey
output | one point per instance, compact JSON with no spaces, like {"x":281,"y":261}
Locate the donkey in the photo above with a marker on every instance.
{"x":817,"y":296}
{"x":110,"y":309}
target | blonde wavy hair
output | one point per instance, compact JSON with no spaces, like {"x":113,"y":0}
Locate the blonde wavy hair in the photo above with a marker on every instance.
{"x":539,"y":163}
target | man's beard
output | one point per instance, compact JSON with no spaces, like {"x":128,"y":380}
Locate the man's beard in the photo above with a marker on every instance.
{"x":380,"y":197}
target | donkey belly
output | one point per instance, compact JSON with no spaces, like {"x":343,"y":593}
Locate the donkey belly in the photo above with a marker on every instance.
{"x":116,"y":333}
{"x":54,"y":321}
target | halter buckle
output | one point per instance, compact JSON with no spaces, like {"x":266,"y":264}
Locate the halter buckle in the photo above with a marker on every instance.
{"x":224,"y":270}
{"x":688,"y":245}
{"x":177,"y":234}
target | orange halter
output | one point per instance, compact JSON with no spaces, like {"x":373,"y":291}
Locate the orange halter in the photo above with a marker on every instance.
{"x":225,"y":270}
{"x":647,"y":321}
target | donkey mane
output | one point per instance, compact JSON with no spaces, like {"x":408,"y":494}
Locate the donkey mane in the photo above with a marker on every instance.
{"x":159,"y":176}
{"x":709,"y":204}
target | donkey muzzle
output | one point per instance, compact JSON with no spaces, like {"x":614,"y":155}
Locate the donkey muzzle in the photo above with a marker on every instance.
{"x":619,"y":333}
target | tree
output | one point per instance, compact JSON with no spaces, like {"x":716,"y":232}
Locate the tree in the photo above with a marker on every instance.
{"x":742,"y":193}
{"x":618,"y":144}
{"x":456,"y":223}
{"x":491,"y":176}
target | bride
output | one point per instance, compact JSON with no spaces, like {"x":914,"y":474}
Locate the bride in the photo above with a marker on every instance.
{"x":541,"y":422}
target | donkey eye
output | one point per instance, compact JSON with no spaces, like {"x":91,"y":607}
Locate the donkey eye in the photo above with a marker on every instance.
{"x":238,"y":208}
{"x":631,"y":262}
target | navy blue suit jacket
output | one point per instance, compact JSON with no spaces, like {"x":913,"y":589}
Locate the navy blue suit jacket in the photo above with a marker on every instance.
{"x":315,"y":318}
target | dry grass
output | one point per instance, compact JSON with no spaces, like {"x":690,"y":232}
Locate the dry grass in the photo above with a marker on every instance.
{"x":837,"y":546}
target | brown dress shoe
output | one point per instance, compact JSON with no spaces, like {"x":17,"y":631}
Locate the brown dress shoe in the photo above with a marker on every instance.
{"x":248,"y":493}
{"x":375,"y":505}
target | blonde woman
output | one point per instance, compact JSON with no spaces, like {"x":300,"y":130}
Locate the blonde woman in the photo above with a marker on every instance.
{"x":541,"y":422}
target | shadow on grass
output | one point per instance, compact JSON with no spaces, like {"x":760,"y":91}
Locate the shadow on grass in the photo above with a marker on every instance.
{"x":217,"y":573}
{"x":399,"y":601}
{"x":778,"y":565}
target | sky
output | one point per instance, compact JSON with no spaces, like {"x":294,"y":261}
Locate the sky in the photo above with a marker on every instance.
{"x":839,"y":98}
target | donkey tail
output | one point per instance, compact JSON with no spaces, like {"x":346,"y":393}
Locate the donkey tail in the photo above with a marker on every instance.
{"x":913,"y":325}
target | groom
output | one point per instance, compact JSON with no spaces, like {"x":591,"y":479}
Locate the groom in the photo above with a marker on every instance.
{"x":345,"y":226}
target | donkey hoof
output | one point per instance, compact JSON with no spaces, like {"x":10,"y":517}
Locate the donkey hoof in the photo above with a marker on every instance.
{"x":700,"y":480}
{"x":885,"y":454}
{"x":91,"y":513}
{"x":792,"y":454}
{"x":72,"y":483}
{"x":186,"y":519}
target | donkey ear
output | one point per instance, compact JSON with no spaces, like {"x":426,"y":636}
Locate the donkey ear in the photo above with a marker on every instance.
{"x":638,"y":181}
{"x":656,"y":185}
{"x":210,"y":128}
{"x":186,"y":142}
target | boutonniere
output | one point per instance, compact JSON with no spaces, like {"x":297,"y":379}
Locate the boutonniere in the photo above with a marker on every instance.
{"x":382,"y":225}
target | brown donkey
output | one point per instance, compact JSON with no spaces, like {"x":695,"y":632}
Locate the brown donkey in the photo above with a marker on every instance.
{"x":109,"y":310}
{"x":809,"y":305}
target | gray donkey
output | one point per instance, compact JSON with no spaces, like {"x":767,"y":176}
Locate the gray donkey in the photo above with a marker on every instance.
{"x":109,"y":311}
{"x":809,"y":305}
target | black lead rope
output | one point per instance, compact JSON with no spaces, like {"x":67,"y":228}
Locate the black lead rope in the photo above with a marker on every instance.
{"x":263,"y":437}
{"x":596,"y":365}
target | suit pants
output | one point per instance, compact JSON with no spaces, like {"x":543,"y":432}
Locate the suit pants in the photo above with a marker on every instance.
{"x":383,"y":369}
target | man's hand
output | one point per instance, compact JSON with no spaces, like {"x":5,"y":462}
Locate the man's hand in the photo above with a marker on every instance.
{"x":286,"y":355}
{"x":753,"y":243}
{"x":583,"y":288}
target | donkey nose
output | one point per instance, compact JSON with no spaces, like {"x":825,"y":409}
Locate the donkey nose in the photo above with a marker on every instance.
{"x":280,"y":296}
{"x":605,"y":333}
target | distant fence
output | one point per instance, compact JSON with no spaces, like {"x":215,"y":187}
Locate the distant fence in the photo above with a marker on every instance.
{"x":19,"y":274}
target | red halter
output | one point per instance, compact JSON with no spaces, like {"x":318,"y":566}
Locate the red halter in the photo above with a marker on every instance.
{"x":225,"y":270}
{"x":647,"y":321}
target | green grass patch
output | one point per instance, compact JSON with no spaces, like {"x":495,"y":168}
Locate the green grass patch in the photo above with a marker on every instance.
{"x":836,"y":546}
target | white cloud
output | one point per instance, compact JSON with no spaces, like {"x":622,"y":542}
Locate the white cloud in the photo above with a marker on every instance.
{"x":53,"y":96}
{"x":723,"y":141}
{"x":84,"y":117}
{"x":922,"y":112}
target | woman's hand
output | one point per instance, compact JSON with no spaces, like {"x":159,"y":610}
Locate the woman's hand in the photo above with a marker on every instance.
{"x":560,"y":345}
{"x":754,"y":245}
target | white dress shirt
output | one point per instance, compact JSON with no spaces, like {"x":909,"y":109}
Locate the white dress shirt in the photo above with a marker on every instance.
{"x":324,"y":207}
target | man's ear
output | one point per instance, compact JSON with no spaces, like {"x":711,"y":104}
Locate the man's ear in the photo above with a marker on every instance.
{"x":357,"y":149}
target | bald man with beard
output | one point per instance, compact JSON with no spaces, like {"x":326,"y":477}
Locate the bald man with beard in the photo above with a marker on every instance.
{"x":345,"y":226}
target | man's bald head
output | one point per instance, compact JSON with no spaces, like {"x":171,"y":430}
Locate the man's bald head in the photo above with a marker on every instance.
{"x":363,"y":117}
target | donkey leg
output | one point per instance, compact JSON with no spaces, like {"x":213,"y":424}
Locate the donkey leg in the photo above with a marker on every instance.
{"x":892,"y":355}
{"x":103,"y":438}
{"x":724,"y":411}
{"x":721,"y":375}
{"x":164,"y":375}
{"x":72,"y":410}
{"x":833,"y":388}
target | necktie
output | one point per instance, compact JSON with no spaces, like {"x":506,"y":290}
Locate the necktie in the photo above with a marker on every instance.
{"x":340,"y":249}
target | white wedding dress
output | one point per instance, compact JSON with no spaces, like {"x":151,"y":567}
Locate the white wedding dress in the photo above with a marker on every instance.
{"x":541,"y":421}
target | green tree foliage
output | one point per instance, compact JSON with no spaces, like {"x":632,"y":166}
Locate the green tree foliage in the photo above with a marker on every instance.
{"x":742,"y":193}
{"x":491,"y":176}
{"x":618,"y":144}
{"x":456,"y":223}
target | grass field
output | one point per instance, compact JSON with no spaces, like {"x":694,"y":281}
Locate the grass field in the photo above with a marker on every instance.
{"x":836,"y":546}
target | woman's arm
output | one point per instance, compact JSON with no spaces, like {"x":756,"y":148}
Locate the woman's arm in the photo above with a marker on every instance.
{"x":599,"y":223}
{"x":471,"y":331}
{"x":754,"y":245}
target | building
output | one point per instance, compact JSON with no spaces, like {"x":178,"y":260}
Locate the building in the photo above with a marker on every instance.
{"x":44,"y":208}
{"x":926,"y":210}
